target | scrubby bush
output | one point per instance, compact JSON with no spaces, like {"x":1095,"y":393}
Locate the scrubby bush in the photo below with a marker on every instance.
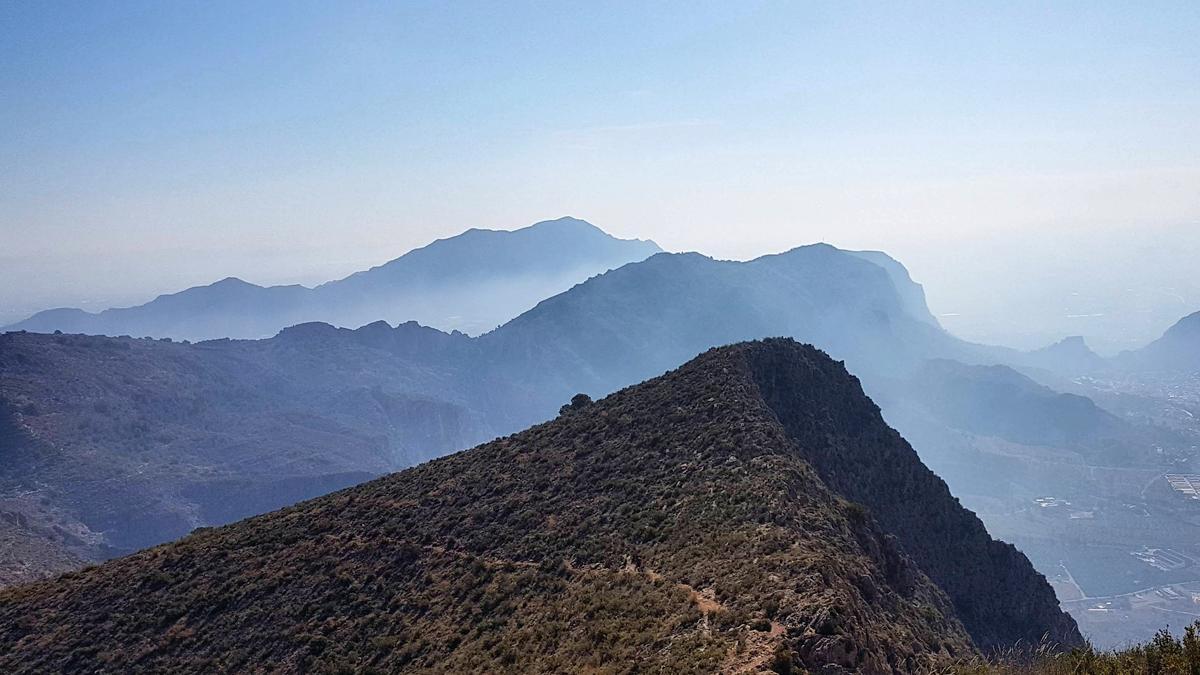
{"x":1165,"y":654}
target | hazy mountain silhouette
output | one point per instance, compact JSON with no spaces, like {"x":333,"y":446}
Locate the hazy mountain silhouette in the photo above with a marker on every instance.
{"x":998,"y":401}
{"x":472,"y":282}
{"x":1177,"y":351}
{"x":912,"y":294}
{"x":750,"y":509}
{"x":151,"y":438}
{"x":108,"y":445}
{"x":625,"y":325}
{"x":1069,"y":356}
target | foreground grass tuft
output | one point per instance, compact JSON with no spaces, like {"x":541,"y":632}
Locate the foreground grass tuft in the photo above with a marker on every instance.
{"x":1163,"y":655}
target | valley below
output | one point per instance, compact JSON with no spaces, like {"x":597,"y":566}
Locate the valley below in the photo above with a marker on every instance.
{"x":881,"y":357}
{"x":1089,"y":466}
{"x":1119,"y":544}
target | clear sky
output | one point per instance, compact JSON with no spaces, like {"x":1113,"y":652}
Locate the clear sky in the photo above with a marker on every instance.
{"x":149,"y":146}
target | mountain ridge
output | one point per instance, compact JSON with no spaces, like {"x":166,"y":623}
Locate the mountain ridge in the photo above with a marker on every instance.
{"x":1177,"y":350}
{"x":380,"y":398}
{"x":687,"y":515}
{"x":474,"y":281}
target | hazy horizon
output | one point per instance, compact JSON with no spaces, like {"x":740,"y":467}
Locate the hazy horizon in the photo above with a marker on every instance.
{"x":569,"y":452}
{"x":1007,"y":155}
{"x":1064,"y":294}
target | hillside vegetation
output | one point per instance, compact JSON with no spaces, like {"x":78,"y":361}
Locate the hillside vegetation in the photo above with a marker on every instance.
{"x":1164,"y":655}
{"x":108,"y":445}
{"x":691,"y":523}
{"x":123,"y":443}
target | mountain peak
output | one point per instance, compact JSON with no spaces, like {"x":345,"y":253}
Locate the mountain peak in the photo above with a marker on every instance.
{"x":566,"y":221}
{"x":472,"y":281}
{"x":753,"y":496}
{"x":233,"y":281}
{"x":1073,"y":346}
{"x":564,"y":225}
{"x":1069,"y":357}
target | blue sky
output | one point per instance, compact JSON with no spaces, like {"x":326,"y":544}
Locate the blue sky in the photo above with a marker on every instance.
{"x":148,"y":146}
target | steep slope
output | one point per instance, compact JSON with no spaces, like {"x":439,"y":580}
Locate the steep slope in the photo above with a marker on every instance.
{"x":115,"y":444}
{"x":633,"y":322}
{"x":182,"y":433}
{"x":473,"y":282}
{"x":1177,"y":351}
{"x":152,"y":438}
{"x":692,"y":523}
{"x":912,"y":294}
{"x":1068,"y":357}
{"x":35,"y":540}
{"x":999,"y":401}
{"x":998,"y":595}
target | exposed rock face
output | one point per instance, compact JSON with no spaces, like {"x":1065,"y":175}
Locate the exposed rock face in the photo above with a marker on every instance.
{"x":703,"y":520}
{"x":996,"y":592}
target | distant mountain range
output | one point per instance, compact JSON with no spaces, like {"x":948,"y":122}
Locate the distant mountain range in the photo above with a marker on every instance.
{"x":114,"y":444}
{"x":123,"y":443}
{"x":472,"y":282}
{"x":1177,"y":351}
{"x":630,"y":323}
{"x":109,"y":445}
{"x":1070,"y":355}
{"x":748,"y":512}
{"x":1000,"y":402}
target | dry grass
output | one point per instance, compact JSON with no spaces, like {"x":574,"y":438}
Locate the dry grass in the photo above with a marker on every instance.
{"x":1163,"y":655}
